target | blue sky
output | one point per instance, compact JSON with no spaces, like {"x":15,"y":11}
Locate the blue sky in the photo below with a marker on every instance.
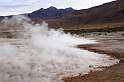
{"x":10,"y":7}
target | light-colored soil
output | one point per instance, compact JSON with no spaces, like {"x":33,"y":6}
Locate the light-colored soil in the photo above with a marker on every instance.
{"x":111,"y":44}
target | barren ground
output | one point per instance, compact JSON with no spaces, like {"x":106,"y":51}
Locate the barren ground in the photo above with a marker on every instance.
{"x":111,"y":44}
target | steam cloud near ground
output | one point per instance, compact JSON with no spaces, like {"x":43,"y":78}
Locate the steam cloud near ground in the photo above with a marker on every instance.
{"x":46,"y":55}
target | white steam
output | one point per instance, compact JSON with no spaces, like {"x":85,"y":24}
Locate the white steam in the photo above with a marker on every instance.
{"x":47,"y":55}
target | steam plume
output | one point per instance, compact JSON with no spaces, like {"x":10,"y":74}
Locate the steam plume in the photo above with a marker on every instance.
{"x":42,"y":54}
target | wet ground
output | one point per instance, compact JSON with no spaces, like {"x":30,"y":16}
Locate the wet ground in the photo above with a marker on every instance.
{"x":111,"y":44}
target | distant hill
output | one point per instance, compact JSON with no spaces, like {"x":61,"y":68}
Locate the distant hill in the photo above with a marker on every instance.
{"x":108,"y":12}
{"x":108,"y":15}
{"x":51,"y":12}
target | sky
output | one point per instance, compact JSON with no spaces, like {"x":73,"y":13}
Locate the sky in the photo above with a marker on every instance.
{"x":13,"y":7}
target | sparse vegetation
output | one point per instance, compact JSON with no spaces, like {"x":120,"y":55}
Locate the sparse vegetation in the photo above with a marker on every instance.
{"x":110,"y":27}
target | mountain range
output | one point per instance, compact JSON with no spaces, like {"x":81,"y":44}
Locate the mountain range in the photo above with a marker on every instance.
{"x":48,"y":13}
{"x":51,"y":12}
{"x":102,"y":16}
{"x":108,"y":13}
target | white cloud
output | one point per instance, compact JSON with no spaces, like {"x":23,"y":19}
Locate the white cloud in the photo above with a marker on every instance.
{"x":8,"y":7}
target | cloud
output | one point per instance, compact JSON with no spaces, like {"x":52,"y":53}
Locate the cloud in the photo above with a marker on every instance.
{"x":9,"y":7}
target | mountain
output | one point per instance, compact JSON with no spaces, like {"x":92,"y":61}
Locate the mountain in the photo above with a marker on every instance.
{"x":109,"y":13}
{"x":50,"y":12}
{"x":108,"y":16}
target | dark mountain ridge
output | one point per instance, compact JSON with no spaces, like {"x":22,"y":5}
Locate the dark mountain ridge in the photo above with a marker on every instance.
{"x":106,"y":13}
{"x":50,"y":12}
{"x":112,"y":12}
